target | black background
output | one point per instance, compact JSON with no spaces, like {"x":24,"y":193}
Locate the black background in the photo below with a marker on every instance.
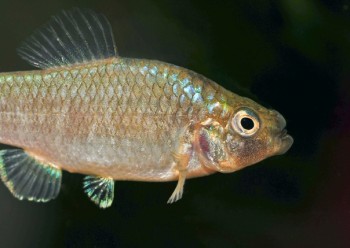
{"x":292,"y":55}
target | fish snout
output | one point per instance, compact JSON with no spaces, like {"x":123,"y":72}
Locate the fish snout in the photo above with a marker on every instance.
{"x":281,"y":122}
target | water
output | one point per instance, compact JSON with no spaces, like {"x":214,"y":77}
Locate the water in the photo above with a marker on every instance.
{"x":293,"y":56}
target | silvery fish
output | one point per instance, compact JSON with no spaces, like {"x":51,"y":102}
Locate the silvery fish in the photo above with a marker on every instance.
{"x":90,"y":111}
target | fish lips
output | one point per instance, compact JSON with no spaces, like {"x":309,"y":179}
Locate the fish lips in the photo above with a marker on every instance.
{"x":285,"y":142}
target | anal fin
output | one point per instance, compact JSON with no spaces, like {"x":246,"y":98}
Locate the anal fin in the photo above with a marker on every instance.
{"x":100,"y":190}
{"x":27,"y":178}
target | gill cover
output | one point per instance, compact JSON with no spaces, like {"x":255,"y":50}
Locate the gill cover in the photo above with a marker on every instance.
{"x":212,"y":149}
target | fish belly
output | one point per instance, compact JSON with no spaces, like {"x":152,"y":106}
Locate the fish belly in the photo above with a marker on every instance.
{"x":118,"y":118}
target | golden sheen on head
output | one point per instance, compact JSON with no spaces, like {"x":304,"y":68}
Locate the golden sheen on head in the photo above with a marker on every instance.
{"x":251,"y":134}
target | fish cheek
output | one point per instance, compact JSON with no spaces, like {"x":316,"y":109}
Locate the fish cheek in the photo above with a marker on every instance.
{"x":246,"y":151}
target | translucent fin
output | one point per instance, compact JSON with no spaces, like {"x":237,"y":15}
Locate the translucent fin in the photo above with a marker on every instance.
{"x":100,"y":190}
{"x":71,"y":37}
{"x":27,"y":178}
{"x":178,"y":192}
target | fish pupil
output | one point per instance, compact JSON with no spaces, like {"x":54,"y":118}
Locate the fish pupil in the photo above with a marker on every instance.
{"x":247,"y":123}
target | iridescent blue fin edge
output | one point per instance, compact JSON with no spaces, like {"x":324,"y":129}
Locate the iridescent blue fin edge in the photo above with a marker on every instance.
{"x":100,"y":190}
{"x":27,"y":178}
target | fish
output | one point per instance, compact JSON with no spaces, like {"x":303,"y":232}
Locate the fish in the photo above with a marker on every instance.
{"x":88,"y":110}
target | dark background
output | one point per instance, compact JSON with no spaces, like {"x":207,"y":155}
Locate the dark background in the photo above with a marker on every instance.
{"x":292,"y":55}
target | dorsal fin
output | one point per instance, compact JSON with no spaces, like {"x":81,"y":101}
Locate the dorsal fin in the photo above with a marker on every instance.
{"x":71,"y":37}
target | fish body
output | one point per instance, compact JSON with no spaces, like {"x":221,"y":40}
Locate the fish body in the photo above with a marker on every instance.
{"x":116,"y":118}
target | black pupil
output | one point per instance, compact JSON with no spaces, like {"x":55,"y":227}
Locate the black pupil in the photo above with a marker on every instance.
{"x":247,"y":123}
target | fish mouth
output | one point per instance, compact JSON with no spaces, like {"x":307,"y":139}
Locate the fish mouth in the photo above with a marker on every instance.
{"x":283,"y":133}
{"x":283,"y":140}
{"x":286,"y":141}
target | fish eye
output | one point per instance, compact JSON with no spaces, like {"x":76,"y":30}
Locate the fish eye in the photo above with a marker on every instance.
{"x":245,"y":122}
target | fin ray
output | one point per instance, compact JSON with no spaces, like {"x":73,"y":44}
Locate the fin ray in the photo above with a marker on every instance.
{"x":76,"y":27}
{"x":30,"y":183}
{"x":20,"y":187}
{"x":89,"y":27}
{"x":78,"y":48}
{"x":71,"y":37}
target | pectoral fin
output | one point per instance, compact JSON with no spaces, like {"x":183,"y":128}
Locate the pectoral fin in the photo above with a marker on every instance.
{"x":181,"y":158}
{"x":100,"y":190}
{"x":27,"y":178}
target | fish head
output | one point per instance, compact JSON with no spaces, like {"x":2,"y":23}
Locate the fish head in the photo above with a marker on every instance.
{"x":250,"y":134}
